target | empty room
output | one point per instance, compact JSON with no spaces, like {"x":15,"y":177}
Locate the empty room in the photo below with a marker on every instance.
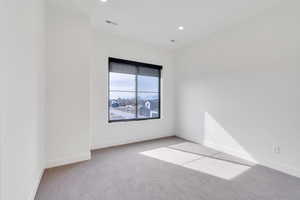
{"x":150,"y":100}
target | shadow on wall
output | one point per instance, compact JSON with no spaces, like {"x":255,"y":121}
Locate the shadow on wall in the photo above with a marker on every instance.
{"x":253,"y":115}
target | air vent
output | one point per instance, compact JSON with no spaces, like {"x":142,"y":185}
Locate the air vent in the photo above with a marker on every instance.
{"x":111,"y":22}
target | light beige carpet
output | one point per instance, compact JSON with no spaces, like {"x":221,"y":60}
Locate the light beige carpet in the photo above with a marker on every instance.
{"x":166,"y":169}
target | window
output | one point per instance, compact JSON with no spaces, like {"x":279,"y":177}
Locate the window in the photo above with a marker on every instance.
{"x":134,"y":90}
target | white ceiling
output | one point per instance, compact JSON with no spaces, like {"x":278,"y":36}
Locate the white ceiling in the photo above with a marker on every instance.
{"x":156,"y":21}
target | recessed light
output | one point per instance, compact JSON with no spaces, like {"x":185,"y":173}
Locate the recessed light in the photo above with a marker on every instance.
{"x":180,"y":28}
{"x":103,"y":1}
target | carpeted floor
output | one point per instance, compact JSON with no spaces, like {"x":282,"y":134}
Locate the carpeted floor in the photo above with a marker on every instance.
{"x":166,"y":169}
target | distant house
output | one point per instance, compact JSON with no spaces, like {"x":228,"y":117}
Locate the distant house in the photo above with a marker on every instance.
{"x":151,"y":104}
{"x":148,"y":105}
{"x":115,"y":104}
{"x":149,"y":108}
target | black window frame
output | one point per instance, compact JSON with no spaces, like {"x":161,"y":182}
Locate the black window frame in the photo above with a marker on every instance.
{"x":141,"y":64}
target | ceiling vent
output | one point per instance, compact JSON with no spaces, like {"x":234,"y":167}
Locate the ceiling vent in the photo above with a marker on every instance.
{"x":111,"y":22}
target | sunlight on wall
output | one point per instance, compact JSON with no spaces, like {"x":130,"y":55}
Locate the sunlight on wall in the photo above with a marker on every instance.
{"x":216,"y":137}
{"x":205,"y":164}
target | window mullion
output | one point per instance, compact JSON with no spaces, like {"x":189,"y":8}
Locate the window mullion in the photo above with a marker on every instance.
{"x":136,"y":93}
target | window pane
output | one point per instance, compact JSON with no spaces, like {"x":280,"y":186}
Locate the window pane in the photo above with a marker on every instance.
{"x":148,"y":83}
{"x":122,"y":105}
{"x":123,"y":82}
{"x":148,"y":105}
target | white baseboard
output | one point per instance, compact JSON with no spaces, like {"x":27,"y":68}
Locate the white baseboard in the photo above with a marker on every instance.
{"x":36,"y":184}
{"x":119,"y":143}
{"x":277,"y":166}
{"x":69,"y":160}
{"x":283,"y":168}
{"x":229,"y":150}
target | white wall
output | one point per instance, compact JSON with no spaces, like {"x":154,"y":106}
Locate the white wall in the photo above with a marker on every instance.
{"x":22,"y":97}
{"x":107,"y":134}
{"x":77,"y":88}
{"x":68,"y":64}
{"x":239,"y":89}
{"x":3,"y":81}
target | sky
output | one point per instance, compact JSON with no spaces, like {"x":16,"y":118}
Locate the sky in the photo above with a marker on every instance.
{"x":126,"y":82}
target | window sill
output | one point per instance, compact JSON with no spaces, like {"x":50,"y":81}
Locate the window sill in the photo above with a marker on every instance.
{"x":132,"y":120}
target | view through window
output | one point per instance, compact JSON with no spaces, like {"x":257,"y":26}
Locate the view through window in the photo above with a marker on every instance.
{"x":134,"y":90}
